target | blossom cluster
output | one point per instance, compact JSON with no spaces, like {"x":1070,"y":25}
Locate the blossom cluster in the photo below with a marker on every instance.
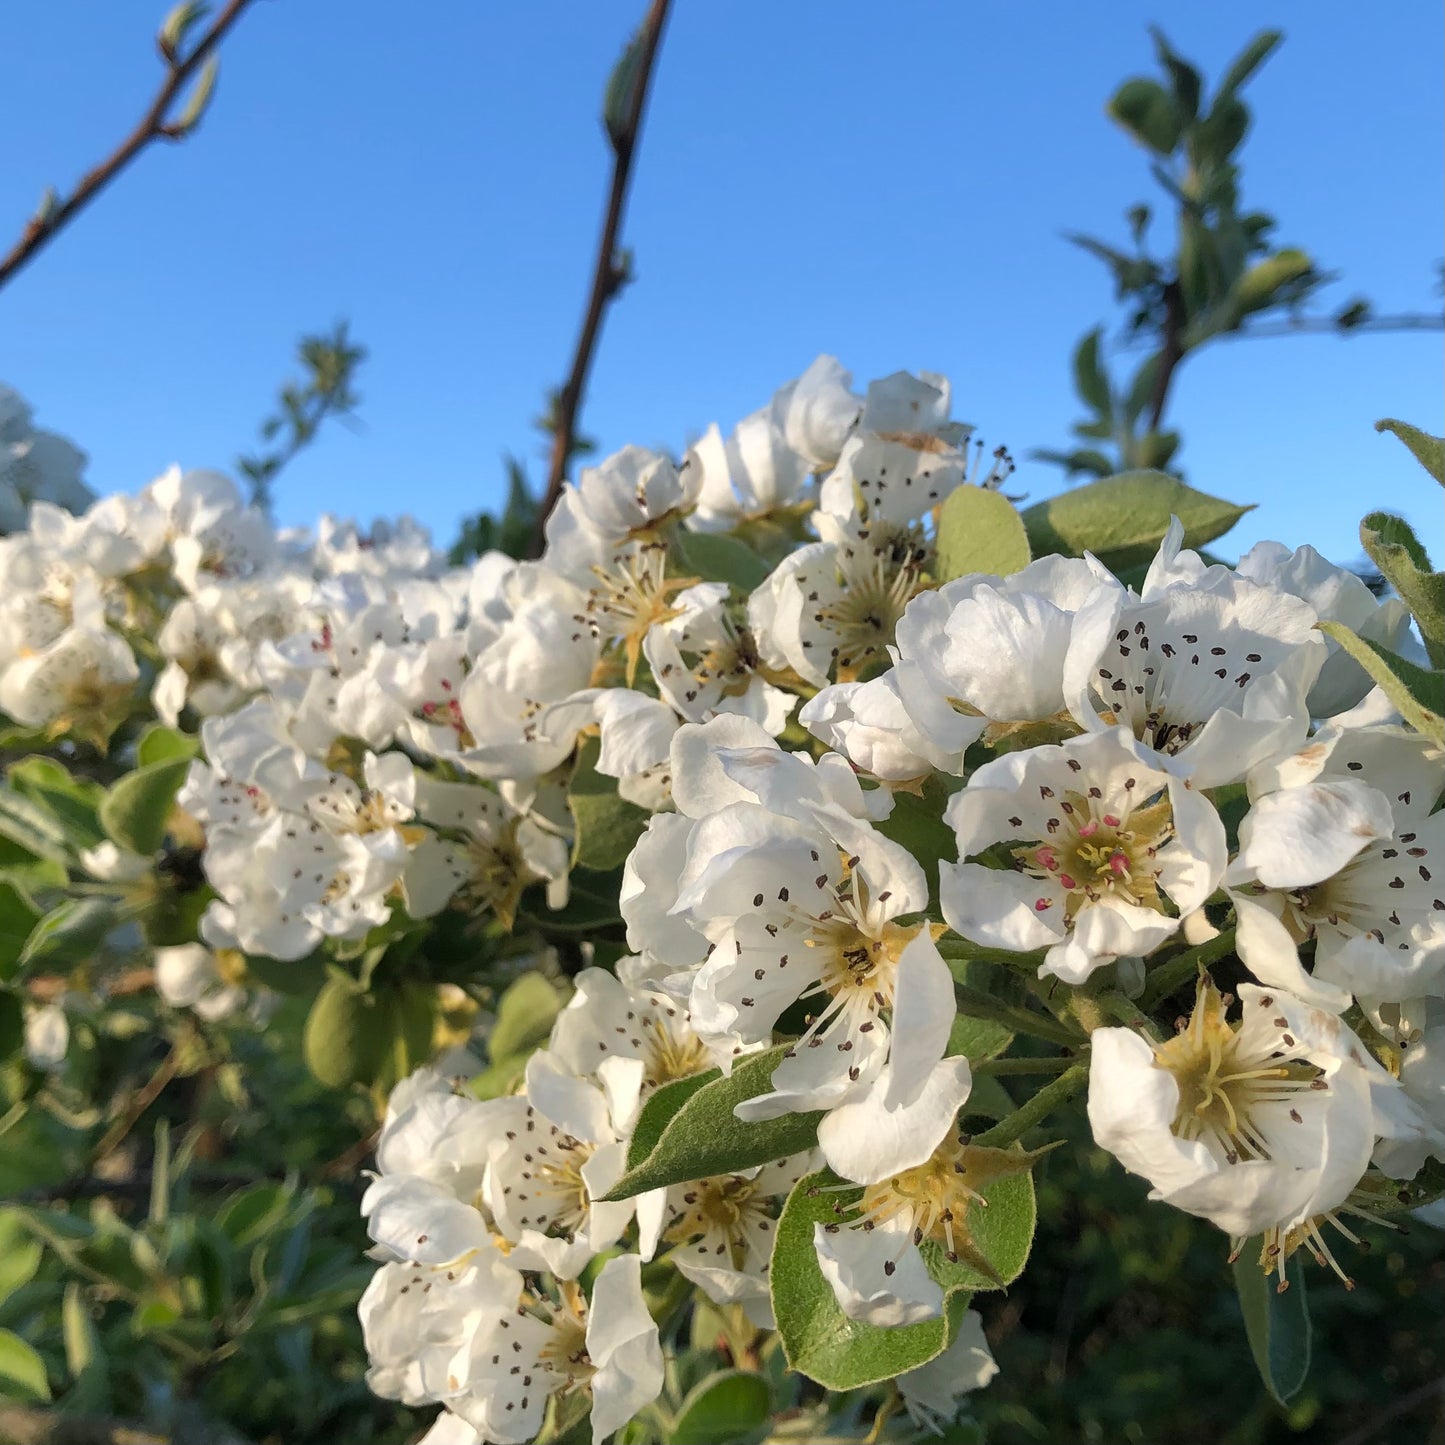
{"x":1149,"y":779}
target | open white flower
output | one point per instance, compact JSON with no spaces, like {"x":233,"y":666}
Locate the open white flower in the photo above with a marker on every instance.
{"x":989,"y":656}
{"x":1347,"y":852}
{"x":1258,"y":1126}
{"x":1336,"y":595}
{"x":934,"y":1392}
{"x":1097,"y":842}
{"x":1212,"y":675}
{"x":608,"y":1348}
{"x":81,"y":683}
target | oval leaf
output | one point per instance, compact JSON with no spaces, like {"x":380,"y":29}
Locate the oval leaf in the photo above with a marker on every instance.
{"x":524,"y":1017}
{"x":980,"y":531}
{"x":1278,"y":1325}
{"x":818,"y":1338}
{"x":1418,"y":693}
{"x":135,"y":810}
{"x":22,"y":1371}
{"x":724,"y":1409}
{"x":1122,"y":519}
{"x":704,"y":1137}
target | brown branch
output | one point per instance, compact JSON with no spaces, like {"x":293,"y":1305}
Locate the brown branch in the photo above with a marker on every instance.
{"x":153,"y":126}
{"x":1171,"y":354}
{"x":1331,"y":326}
{"x":608,"y":276}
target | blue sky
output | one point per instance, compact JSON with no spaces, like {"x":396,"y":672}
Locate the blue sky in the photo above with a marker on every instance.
{"x":886,"y":182}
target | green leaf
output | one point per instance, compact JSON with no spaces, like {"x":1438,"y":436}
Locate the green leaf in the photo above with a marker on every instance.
{"x":1089,"y":379}
{"x":980,"y":531}
{"x":1278,"y":1325}
{"x":20,"y":1254}
{"x":1399,"y":554}
{"x":17,"y":919}
{"x":1145,"y":109}
{"x":1416,"y":692}
{"x":1428,"y":451}
{"x":135,"y":809}
{"x":1122,"y":519}
{"x":976,"y":1038}
{"x":160,"y":744}
{"x":818,"y":1338}
{"x":22,"y":1371}
{"x":725,"y":1409}
{"x":717,"y":557}
{"x":1262,"y":284}
{"x":1186,"y":79}
{"x":1247,"y":62}
{"x":346,"y":1035}
{"x":12,"y":1026}
{"x":525,"y":1015}
{"x":1216,"y":137}
{"x":70,"y":801}
{"x":607,"y":825}
{"x":71,"y":932}
{"x":78,"y":1331}
{"x":704,"y":1137}
{"x":916,"y":823}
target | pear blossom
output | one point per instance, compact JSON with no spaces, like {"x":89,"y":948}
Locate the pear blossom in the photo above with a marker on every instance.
{"x":607,"y":1347}
{"x":1348,"y":852}
{"x":1106,"y":854}
{"x":189,"y":975}
{"x":80,"y":683}
{"x":1258,"y":1126}
{"x":933,"y":1392}
{"x":1336,"y":595}
{"x":1212,"y":674}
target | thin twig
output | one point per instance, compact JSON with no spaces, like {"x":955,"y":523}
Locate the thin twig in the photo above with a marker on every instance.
{"x":1165,"y":979}
{"x":1171,"y":354}
{"x":153,"y":126}
{"x":607,"y":276}
{"x":1393,"y":1411}
{"x":1049,"y":1098}
{"x":140,"y":1102}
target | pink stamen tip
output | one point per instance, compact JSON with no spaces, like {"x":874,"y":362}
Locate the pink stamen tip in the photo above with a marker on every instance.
{"x":1067,"y":881}
{"x":1119,"y":863}
{"x":1042,"y":904}
{"x":1110,"y":820}
{"x":1047,"y":859}
{"x":1089,"y":829}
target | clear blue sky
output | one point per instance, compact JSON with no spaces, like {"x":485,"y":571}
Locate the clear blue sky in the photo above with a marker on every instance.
{"x":884,"y":181}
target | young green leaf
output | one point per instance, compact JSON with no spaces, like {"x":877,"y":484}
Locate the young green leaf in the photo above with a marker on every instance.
{"x":1401,"y":557}
{"x":1278,"y":1325}
{"x":704,"y":1137}
{"x":1122,"y":519}
{"x":1428,"y":451}
{"x":1145,"y":109}
{"x":724,"y":1409}
{"x":716,"y":557}
{"x":818,"y":1338}
{"x":1418,"y":693}
{"x":524,"y":1017}
{"x":980,"y":531}
{"x":607,"y":825}
{"x":1089,"y":379}
{"x":135,"y":809}
{"x":71,"y":932}
{"x":22,"y":1371}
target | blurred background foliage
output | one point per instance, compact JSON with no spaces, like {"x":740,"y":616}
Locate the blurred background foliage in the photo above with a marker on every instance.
{"x":181,"y":1250}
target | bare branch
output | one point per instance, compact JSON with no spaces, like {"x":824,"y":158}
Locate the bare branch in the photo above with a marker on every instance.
{"x":610,"y":271}
{"x":54,"y":214}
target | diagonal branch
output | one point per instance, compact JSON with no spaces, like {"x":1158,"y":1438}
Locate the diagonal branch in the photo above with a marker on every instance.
{"x":609,"y":274}
{"x":154,"y":125}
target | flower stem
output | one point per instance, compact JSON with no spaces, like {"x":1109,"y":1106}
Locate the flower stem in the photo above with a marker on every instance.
{"x":1057,"y":1064}
{"x":1049,"y":1098}
{"x":1125,"y":1011}
{"x":977,"y":1004}
{"x":1171,"y":975}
